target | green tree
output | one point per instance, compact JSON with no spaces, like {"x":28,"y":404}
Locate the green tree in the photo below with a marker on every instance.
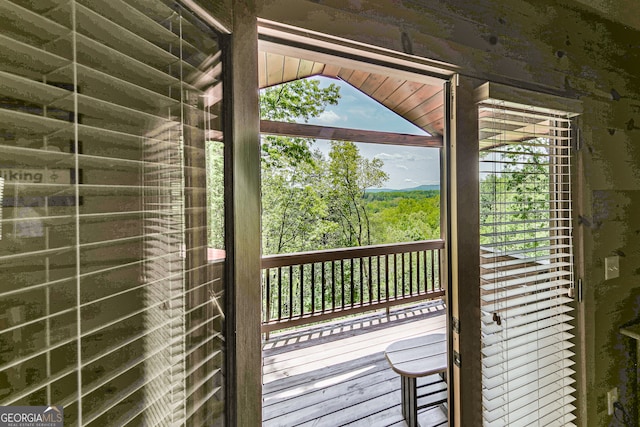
{"x":291,"y":102}
{"x":293,"y":206}
{"x":407,"y":217}
{"x":350,"y":175}
{"x":294,"y":210}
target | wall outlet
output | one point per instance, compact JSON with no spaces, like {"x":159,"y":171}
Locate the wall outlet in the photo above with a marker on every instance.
{"x":611,"y":267}
{"x":612,"y":397}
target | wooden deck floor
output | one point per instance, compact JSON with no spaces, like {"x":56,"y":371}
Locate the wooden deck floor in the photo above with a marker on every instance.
{"x":336,"y":374}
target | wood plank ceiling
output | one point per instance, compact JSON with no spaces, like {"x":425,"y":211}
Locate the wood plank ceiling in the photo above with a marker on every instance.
{"x":419,"y":103}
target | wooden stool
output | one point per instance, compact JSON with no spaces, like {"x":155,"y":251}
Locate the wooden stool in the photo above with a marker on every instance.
{"x":413,"y":358}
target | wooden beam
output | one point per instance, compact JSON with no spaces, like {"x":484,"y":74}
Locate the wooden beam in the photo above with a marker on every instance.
{"x":303,"y":130}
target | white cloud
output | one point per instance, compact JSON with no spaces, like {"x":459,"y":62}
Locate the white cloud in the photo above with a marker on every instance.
{"x":387,"y":156}
{"x":328,"y":117}
{"x":401,"y":157}
{"x":402,"y":167}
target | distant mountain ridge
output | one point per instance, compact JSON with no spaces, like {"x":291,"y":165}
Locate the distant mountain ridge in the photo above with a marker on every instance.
{"x":418,"y":188}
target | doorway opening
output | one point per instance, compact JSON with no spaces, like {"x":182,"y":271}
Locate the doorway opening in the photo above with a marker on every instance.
{"x":341,"y":246}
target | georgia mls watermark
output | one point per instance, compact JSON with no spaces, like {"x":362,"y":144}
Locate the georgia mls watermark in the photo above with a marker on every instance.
{"x":31,"y":416}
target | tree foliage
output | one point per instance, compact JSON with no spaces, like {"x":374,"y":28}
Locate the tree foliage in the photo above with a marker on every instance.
{"x":294,"y":210}
{"x":290,"y":102}
{"x":350,"y":175}
{"x":312,"y":202}
{"x":404,"y":216}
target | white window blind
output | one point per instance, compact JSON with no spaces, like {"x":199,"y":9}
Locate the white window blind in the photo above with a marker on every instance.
{"x":526,"y":265}
{"x":110,"y":300}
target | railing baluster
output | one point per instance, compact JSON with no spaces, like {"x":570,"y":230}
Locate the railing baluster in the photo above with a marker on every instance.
{"x":361,"y":296}
{"x":427,"y":277}
{"x":395,"y":276}
{"x":370,"y":281}
{"x":313,"y":288}
{"x":301,"y":290}
{"x":352,"y":284}
{"x":418,"y":271}
{"x":323,"y":288}
{"x":378,"y":272}
{"x":279,"y":294}
{"x":333,"y":285}
{"x":268,"y":308}
{"x":403,"y":274}
{"x":433,"y":271}
{"x":426,"y":270}
{"x":290,"y":291}
{"x":386,"y":277}
{"x":437,"y":252}
{"x":342,"y":281}
{"x":427,"y":274}
{"x":410,"y":273}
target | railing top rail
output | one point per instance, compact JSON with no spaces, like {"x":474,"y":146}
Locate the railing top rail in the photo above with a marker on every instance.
{"x":298,"y":258}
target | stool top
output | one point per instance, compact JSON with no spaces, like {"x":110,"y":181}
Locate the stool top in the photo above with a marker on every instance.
{"x":418,"y":357}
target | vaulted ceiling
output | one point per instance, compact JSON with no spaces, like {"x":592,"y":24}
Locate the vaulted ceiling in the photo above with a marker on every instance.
{"x":419,"y":103}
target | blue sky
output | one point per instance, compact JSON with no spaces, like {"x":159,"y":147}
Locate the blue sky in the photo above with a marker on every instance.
{"x":406,"y":166}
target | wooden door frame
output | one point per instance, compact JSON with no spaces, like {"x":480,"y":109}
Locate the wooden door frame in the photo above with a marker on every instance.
{"x":463,"y":253}
{"x":243,"y":300}
{"x":282,"y":40}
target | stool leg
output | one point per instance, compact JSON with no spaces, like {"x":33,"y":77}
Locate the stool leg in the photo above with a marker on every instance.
{"x":409,"y":400}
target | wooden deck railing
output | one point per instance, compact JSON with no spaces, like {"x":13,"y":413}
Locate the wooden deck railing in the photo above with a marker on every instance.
{"x":306,"y":287}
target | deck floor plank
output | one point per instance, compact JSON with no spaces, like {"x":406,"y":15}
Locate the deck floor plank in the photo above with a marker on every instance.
{"x":323,"y":353}
{"x":336,"y":374}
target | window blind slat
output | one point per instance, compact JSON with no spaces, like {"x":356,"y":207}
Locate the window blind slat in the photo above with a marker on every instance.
{"x":134,"y":20}
{"x":561,"y":417}
{"x":111,"y":34}
{"x":522,"y":349}
{"x":525,"y":286}
{"x":497,"y":377}
{"x":560,"y":302}
{"x":537,"y":230}
{"x":524,"y":114}
{"x":522,"y":302}
{"x":16,"y":15}
{"x":554,"y":211}
{"x":94,"y":413}
{"x":516,"y":262}
{"x":546,"y":405}
{"x":533,"y":240}
{"x":536,"y":268}
{"x":550,"y":373}
{"x":511,"y":331}
{"x":520,"y":399}
{"x":12,"y":399}
{"x":497,"y":253}
{"x":93,"y":54}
